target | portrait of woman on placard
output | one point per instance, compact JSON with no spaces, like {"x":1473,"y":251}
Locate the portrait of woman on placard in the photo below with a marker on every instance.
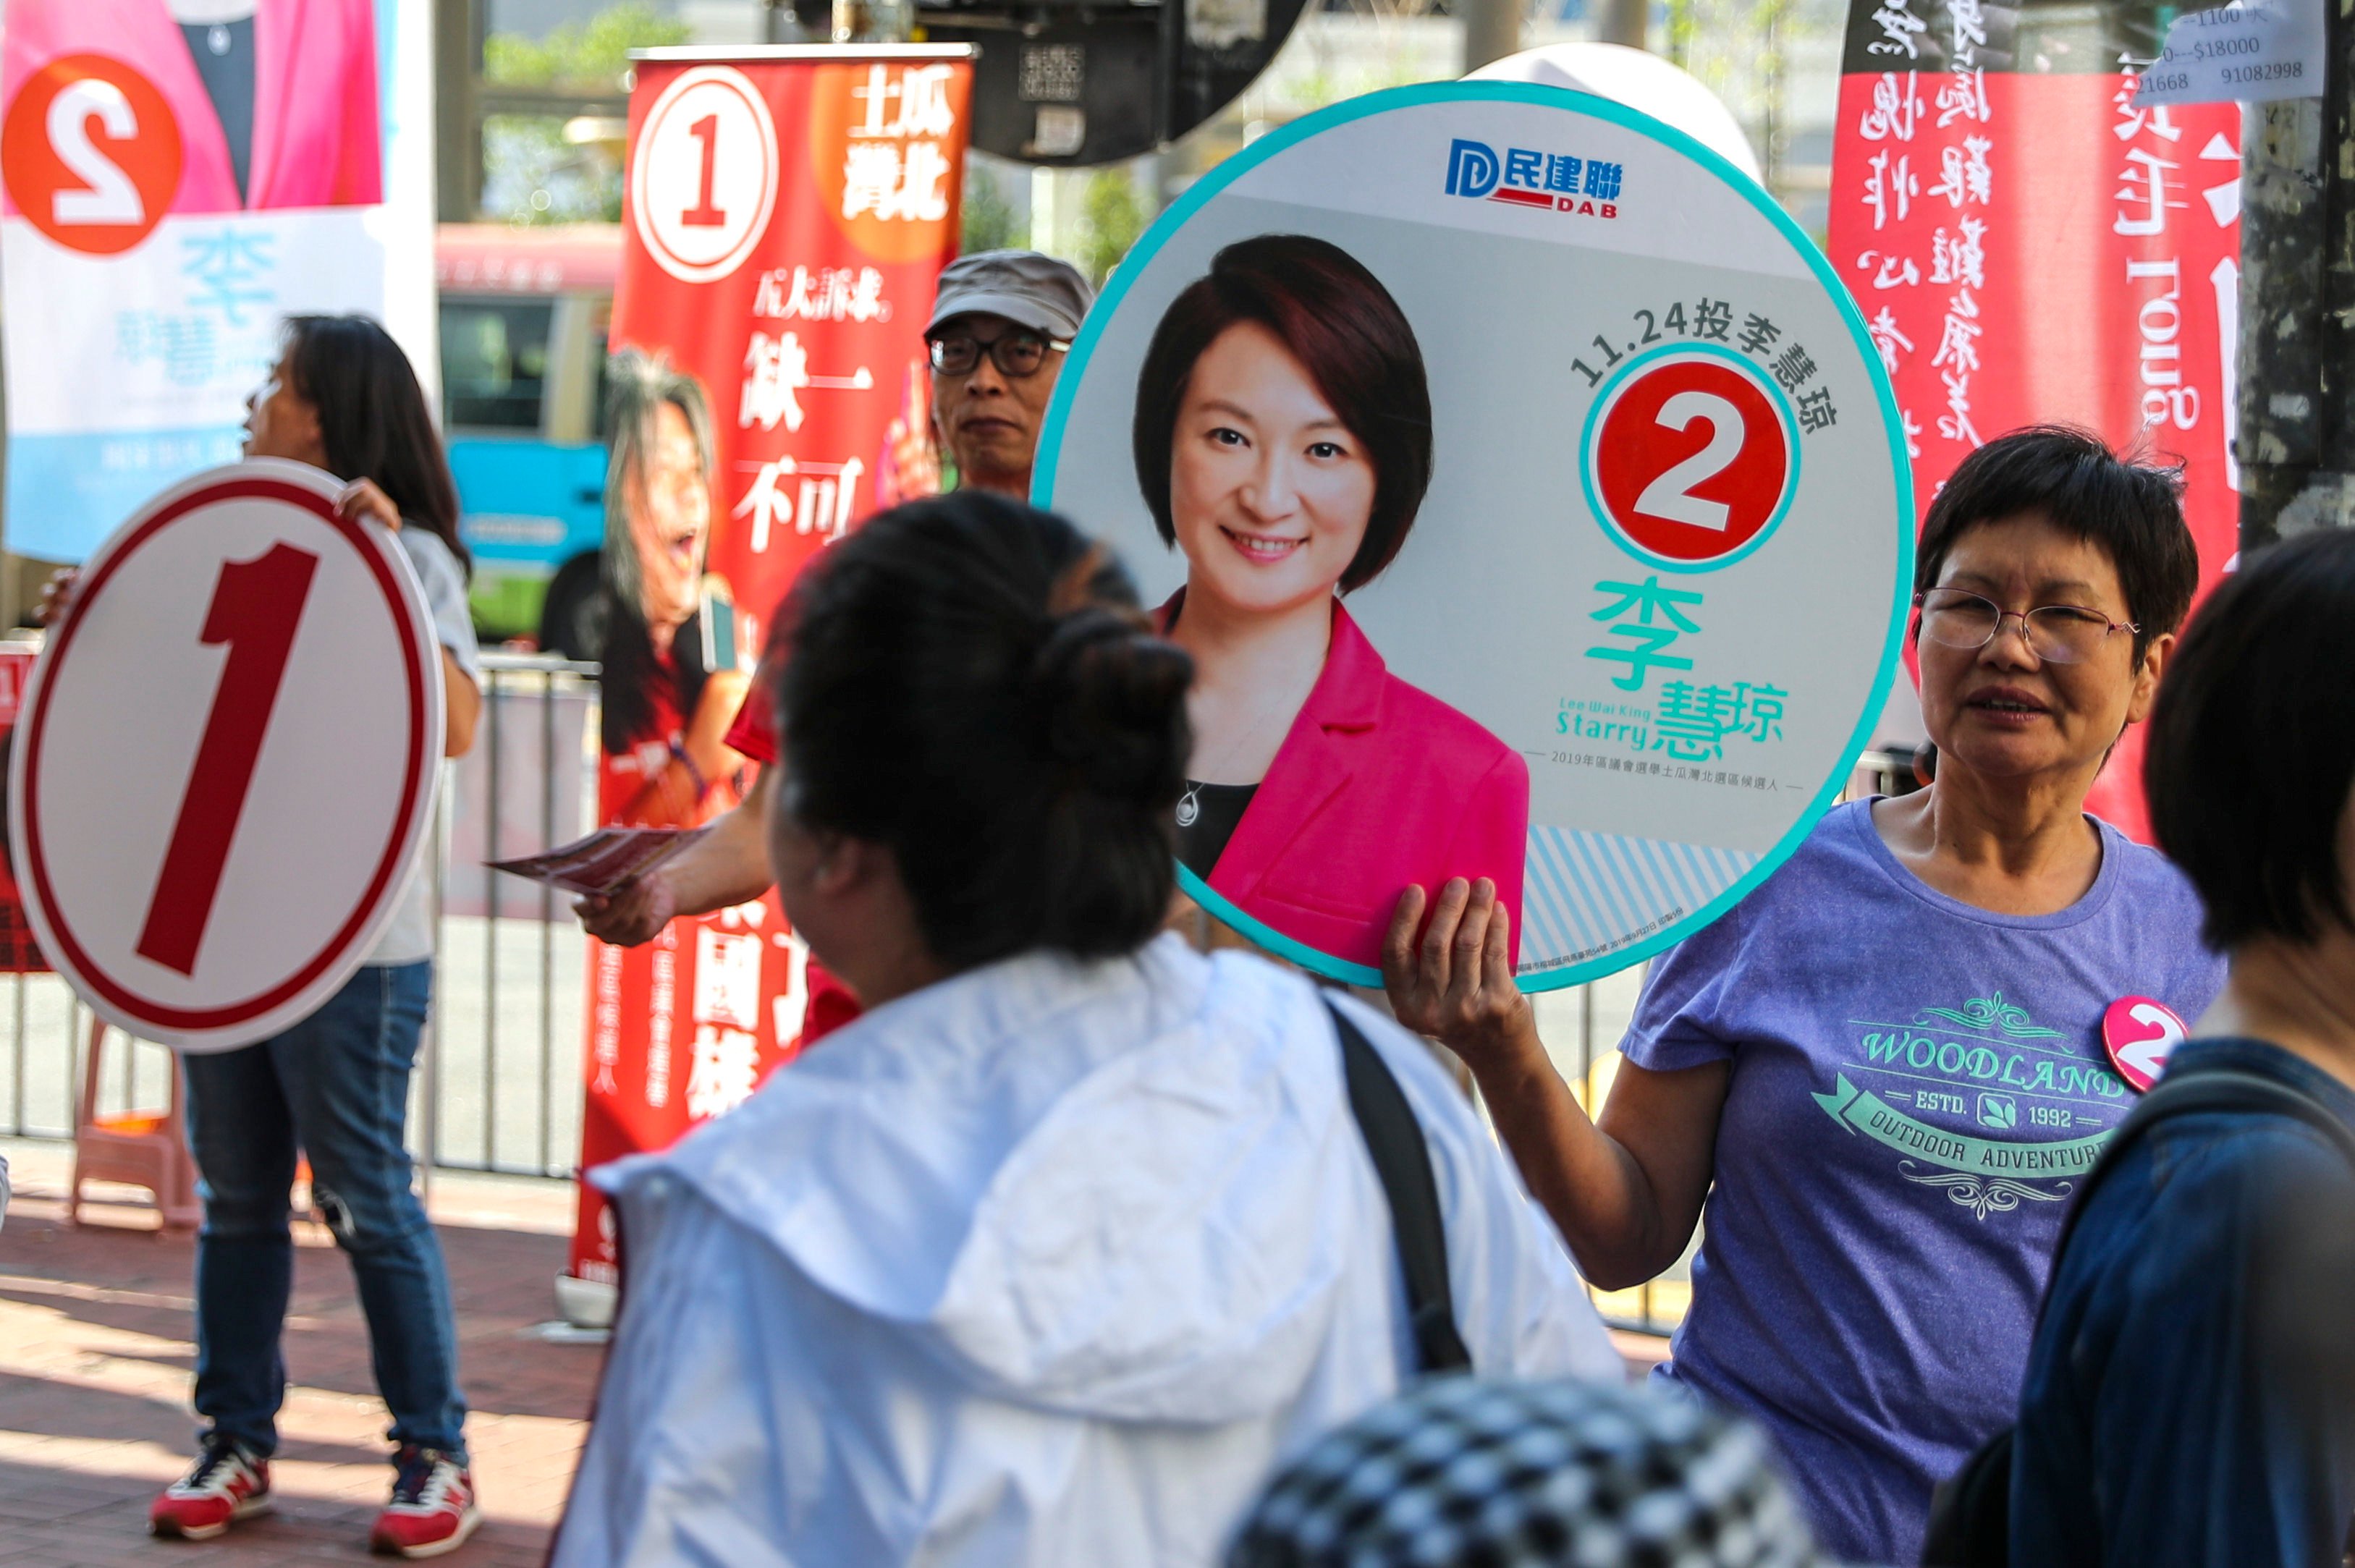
{"x":674,"y":673}
{"x":1283,"y":442}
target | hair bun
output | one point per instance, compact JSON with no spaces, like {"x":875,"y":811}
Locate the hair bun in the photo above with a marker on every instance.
{"x":1113,"y":697}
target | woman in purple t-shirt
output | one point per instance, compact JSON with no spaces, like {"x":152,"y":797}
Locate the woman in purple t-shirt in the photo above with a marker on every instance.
{"x":1884,"y":1071}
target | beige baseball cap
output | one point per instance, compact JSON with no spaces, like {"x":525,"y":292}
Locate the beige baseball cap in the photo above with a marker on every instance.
{"x":1027,"y":289}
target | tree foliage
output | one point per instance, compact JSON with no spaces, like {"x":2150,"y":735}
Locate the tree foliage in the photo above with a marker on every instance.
{"x":531,"y":174}
{"x":1111,"y":218}
{"x":592,"y":54}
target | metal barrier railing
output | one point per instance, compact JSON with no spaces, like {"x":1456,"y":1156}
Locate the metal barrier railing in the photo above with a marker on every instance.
{"x":503,"y":1078}
{"x":499,"y":1087}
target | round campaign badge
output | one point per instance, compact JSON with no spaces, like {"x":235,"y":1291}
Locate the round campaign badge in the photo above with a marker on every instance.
{"x":227,"y":758}
{"x":1530,"y":498}
{"x":2140,"y":1035}
{"x":704,"y":179}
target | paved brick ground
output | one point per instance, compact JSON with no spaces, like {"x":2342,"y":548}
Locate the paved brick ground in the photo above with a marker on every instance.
{"x":95,"y":1358}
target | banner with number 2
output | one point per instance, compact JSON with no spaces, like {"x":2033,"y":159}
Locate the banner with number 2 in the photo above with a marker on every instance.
{"x":227,"y":758}
{"x":1588,"y":455}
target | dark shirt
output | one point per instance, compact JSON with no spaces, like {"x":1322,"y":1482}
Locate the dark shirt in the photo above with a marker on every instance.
{"x":2190,"y":1394}
{"x":1216,"y":810}
{"x":224,"y":56}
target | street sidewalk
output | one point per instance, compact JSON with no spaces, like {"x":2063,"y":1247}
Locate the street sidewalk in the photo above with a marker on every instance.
{"x":95,"y":1360}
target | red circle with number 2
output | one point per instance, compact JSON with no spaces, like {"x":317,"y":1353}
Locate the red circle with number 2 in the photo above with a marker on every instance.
{"x":92,"y":154}
{"x":1692,"y":458}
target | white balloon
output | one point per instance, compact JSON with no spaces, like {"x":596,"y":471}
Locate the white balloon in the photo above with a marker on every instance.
{"x":1666,"y":91}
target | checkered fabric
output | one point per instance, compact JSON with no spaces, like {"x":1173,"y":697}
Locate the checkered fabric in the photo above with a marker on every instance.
{"x":1461,"y":1473}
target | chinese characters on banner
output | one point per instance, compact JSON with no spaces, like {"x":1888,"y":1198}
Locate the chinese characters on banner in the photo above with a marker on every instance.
{"x":2029,"y":245}
{"x":186,"y":227}
{"x":794,"y":280}
{"x":784,"y":227}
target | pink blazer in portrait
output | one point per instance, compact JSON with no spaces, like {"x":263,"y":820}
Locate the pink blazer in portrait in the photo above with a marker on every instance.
{"x":317,"y":141}
{"x":1377,"y":784}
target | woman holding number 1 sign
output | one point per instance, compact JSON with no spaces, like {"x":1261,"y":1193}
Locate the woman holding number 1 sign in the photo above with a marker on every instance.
{"x":335,"y":1088}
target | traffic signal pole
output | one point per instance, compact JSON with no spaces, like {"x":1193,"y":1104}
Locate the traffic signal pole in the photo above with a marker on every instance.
{"x":2296,"y":444}
{"x":1627,"y":22}
{"x":1492,"y":29}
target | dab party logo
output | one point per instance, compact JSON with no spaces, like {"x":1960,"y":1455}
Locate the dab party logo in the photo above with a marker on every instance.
{"x":1525,"y":176}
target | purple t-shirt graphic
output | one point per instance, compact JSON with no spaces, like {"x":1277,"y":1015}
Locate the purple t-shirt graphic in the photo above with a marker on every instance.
{"x":1917,"y":1087}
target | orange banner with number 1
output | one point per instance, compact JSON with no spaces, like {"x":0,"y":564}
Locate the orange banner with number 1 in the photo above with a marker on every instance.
{"x":786,"y":216}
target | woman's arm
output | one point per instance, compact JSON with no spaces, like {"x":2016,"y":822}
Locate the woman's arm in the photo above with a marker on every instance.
{"x":461,"y":702}
{"x":706,"y":741}
{"x":1624,"y":1195}
{"x":729,"y":865}
{"x":462,"y":708}
{"x":675,"y":796}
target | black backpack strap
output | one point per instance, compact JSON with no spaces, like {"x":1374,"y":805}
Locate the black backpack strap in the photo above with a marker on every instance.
{"x":1970,"y":1512}
{"x":1402,"y":1163}
{"x":2205,"y":1089}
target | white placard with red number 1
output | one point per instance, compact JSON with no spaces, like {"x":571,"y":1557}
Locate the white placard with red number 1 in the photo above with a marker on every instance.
{"x":228,"y":758}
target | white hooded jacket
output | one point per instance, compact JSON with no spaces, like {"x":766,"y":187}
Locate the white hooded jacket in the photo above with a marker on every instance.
{"x":1047,"y":1264}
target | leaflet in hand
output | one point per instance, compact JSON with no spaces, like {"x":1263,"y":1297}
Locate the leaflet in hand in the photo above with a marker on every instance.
{"x":603,"y":860}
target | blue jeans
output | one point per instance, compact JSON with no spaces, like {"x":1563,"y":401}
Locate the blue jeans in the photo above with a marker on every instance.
{"x":336,"y":1086}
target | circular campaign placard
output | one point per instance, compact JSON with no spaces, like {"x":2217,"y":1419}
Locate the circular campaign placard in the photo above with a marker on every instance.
{"x":227,"y":759}
{"x":1608,"y":622}
{"x":704,"y":177}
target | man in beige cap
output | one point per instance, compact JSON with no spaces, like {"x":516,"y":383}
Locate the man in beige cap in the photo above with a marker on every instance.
{"x":1001,"y":325}
{"x":1003,"y":322}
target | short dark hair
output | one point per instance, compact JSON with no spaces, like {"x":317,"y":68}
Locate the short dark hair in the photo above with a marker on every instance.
{"x":2251,"y":754}
{"x":373,"y":419}
{"x":2133,"y":510}
{"x":968,"y":680}
{"x":1340,"y":323}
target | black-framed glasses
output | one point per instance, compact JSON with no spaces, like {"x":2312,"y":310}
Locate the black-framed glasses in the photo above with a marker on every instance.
{"x":2057,"y":634}
{"x":1017,"y":354}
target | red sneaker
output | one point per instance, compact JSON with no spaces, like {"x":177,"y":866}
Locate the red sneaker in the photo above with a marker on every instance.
{"x":227,"y":1485}
{"x":433,"y":1508}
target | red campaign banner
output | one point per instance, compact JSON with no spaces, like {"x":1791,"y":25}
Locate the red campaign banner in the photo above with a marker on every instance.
{"x":784,"y":223}
{"x":2029,"y":246}
{"x":786,"y":218}
{"x":680,"y":1030}
{"x":19,"y":955}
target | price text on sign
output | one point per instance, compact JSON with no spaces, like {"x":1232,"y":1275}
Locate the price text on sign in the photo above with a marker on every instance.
{"x":228,"y":758}
{"x":92,"y":154}
{"x":704,"y":180}
{"x":1692,"y":457}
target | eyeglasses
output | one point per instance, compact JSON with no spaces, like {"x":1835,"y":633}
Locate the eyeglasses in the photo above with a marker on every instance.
{"x":2057,"y":634}
{"x":1018,"y":354}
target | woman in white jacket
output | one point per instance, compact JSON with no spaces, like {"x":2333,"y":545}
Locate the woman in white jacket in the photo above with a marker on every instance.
{"x":1052,"y":1255}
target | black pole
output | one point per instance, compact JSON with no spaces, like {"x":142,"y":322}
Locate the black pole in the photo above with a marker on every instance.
{"x":2296,"y":444}
{"x":457,"y":123}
